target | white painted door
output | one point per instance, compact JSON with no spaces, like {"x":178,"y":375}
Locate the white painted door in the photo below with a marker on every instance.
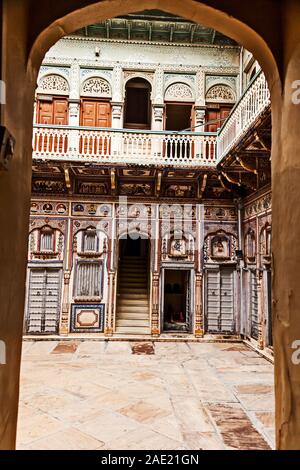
{"x":43,"y":300}
{"x":253,"y":305}
{"x":220,"y":301}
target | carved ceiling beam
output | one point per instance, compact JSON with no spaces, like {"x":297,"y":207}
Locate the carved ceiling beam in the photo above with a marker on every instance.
{"x":158,"y":182}
{"x":67,"y":179}
{"x":246,"y":166}
{"x":230,"y":179}
{"x":113,"y":180}
{"x":259,"y":138}
{"x":223,"y":184}
{"x":193,"y":27}
{"x":203,"y":186}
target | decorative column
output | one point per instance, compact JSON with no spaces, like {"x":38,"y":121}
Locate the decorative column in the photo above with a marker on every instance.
{"x":74,"y":107}
{"x":260,"y":341}
{"x":199,"y":323}
{"x":155,"y":304}
{"x":109,"y":324}
{"x":64,"y":320}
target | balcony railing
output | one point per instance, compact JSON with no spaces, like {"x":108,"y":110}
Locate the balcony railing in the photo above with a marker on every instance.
{"x":105,"y":145}
{"x":254,"y":101}
{"x":159,"y":148}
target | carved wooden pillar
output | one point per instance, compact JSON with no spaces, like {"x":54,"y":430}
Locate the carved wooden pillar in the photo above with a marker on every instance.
{"x":155,"y":331}
{"x":64,"y":320}
{"x":199,"y":321}
{"x":109,"y":323}
{"x":260,"y":303}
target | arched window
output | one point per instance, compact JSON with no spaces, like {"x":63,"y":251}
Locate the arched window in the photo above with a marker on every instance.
{"x":90,"y":240}
{"x":250,"y":246}
{"x":137,"y":104}
{"x":52,"y":102}
{"x":266,"y":241}
{"x":46,"y":239}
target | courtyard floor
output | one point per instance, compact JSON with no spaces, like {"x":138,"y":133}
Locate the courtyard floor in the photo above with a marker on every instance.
{"x":124,"y":395}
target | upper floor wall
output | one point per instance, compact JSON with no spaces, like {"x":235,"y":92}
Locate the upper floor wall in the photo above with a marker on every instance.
{"x":203,"y":77}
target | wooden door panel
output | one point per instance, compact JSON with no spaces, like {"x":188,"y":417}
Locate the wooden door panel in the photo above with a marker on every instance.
{"x":60,"y":112}
{"x":88,"y":113}
{"x":45,"y":112}
{"x":103,"y":114}
{"x":95,"y":114}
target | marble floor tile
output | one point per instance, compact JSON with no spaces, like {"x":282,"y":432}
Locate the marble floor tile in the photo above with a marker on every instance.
{"x":99,"y":395}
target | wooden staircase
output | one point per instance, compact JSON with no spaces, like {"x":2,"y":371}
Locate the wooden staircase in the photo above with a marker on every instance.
{"x":132,"y":301}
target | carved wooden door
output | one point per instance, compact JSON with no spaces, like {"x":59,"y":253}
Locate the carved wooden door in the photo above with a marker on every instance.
{"x":253,"y":305}
{"x":95,"y":114}
{"x":43,"y":301}
{"x":220,"y":301}
{"x":53,"y":112}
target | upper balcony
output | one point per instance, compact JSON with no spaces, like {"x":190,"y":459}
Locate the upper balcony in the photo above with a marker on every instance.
{"x":252,"y":104}
{"x":124,"y":146}
{"x":177,"y":149}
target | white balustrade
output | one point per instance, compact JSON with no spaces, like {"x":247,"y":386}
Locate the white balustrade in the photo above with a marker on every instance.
{"x":177,"y":149}
{"x":124,"y":146}
{"x":251,"y":105}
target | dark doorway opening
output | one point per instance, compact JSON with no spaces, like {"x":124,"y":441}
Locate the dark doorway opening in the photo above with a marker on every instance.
{"x":132,"y":315}
{"x":137,"y":104}
{"x":176,"y":300}
{"x":137,"y":247}
{"x":178,"y":116}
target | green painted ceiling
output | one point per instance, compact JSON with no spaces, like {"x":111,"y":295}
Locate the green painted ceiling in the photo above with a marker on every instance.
{"x":155,"y":26}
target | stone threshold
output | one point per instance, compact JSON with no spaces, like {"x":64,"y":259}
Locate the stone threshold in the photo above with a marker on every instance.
{"x":266,"y":353}
{"x":161,"y":338}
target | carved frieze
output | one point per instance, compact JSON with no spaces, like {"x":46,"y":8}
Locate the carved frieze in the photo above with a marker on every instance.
{"x":96,"y":86}
{"x":220,"y":93}
{"x":53,"y":83}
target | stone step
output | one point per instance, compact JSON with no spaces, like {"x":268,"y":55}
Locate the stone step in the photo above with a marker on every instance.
{"x":133,"y":290}
{"x":132,"y":323}
{"x":132,"y":316}
{"x":132,"y":285}
{"x":133,"y":295}
{"x":133,"y":278}
{"x":133,"y":272}
{"x":133,"y":302}
{"x":132,"y":330}
{"x":129,"y":309}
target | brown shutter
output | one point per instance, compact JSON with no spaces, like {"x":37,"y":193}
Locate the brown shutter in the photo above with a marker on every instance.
{"x":88,"y":113}
{"x":103,"y":114}
{"x":45,"y":112}
{"x":95,"y":114}
{"x":60,"y":111}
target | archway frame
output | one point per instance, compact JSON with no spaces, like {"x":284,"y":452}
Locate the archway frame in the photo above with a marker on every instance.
{"x":54,"y":31}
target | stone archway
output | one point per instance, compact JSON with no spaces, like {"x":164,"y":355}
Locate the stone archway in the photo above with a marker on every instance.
{"x":261,"y":36}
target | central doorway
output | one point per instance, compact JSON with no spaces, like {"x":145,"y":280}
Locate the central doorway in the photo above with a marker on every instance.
{"x":177,"y":301}
{"x":132,"y":314}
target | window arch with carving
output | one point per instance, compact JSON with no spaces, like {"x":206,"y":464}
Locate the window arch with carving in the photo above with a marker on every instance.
{"x":179,"y":91}
{"x":46,"y":239}
{"x":250,"y":246}
{"x":220,"y":93}
{"x":53,"y":84}
{"x":96,"y":87}
{"x":266,"y":243}
{"x":90,"y":240}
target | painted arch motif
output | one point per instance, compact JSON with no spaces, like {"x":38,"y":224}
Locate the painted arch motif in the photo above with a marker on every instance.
{"x":96,"y":87}
{"x":220,"y":93}
{"x":179,"y":91}
{"x":53,"y":84}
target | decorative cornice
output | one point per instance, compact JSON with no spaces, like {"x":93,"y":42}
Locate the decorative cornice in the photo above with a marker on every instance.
{"x":152,"y":43}
{"x":167,"y":68}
